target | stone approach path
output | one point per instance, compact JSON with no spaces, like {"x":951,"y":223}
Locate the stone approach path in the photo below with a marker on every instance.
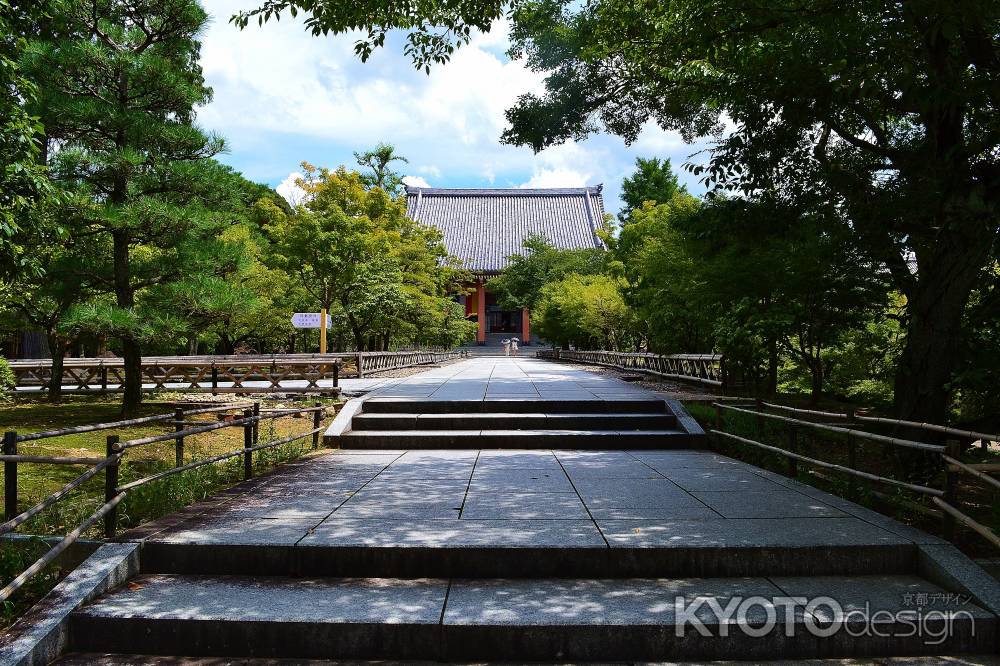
{"x":515,"y":555}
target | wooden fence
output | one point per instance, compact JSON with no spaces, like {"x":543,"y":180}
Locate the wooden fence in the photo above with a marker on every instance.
{"x":707,"y":369}
{"x":222,"y":374}
{"x":248,"y":416}
{"x":849,"y":426}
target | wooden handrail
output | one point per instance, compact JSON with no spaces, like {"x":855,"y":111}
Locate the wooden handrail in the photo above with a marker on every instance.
{"x":114,"y":493}
{"x":924,"y":490}
{"x":895,"y":441}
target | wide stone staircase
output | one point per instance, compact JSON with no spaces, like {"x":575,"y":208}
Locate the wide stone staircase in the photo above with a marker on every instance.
{"x":389,"y":423}
{"x":630,"y":553}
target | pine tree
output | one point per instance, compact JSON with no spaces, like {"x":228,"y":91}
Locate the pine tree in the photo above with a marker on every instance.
{"x":117,"y":95}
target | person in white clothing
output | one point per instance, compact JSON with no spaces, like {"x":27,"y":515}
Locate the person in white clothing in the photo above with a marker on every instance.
{"x":513,"y":346}
{"x":506,"y":346}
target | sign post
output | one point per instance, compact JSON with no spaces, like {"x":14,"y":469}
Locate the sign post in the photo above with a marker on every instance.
{"x":322,"y":331}
{"x":320,"y":320}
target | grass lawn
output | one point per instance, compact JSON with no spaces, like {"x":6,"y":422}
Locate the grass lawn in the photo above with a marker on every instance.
{"x":37,"y":481}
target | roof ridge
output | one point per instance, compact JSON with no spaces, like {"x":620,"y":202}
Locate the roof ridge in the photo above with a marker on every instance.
{"x":504,"y":191}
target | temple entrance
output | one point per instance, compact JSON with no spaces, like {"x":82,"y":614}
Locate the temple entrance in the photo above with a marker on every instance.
{"x":503,"y":321}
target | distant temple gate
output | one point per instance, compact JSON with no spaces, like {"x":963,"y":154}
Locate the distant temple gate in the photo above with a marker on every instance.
{"x":483,"y":227}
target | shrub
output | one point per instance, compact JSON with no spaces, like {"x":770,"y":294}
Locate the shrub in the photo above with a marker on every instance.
{"x":6,"y":379}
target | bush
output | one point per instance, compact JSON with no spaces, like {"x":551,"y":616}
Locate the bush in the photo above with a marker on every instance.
{"x":6,"y":379}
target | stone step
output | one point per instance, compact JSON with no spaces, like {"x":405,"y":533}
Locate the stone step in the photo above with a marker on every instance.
{"x":651,"y":619}
{"x":415,"y":546}
{"x":513,"y":406}
{"x":501,"y":421}
{"x":518,"y":439}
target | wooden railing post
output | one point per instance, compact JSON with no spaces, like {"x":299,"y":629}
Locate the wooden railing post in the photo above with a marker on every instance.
{"x":361,"y":365}
{"x":178,"y":441}
{"x":9,"y":476}
{"x":247,"y":444}
{"x":215,"y":379}
{"x":718,"y":417}
{"x":317,"y":419}
{"x":953,"y":448}
{"x":256,"y":422}
{"x":104,"y":378}
{"x":111,"y":487}
{"x":336,"y":374}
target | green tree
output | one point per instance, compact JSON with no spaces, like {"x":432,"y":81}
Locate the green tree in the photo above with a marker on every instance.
{"x":882,"y":109}
{"x":119,"y":98}
{"x":22,"y":177}
{"x":662,"y":280}
{"x":654,"y":180}
{"x":379,"y":160}
{"x":352,"y":249}
{"x":586,"y":311}
{"x":46,"y":303}
{"x":521,"y":282}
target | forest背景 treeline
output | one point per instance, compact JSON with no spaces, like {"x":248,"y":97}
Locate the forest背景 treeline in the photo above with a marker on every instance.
{"x":121,"y":232}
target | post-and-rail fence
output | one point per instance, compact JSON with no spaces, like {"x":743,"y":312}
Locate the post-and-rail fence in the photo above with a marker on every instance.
{"x":850,"y":428}
{"x":222,"y":374}
{"x":709,"y":369}
{"x":247,"y":416}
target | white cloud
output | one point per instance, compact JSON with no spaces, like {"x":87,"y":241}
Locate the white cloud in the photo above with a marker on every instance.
{"x":415,"y":181}
{"x":283,"y":96}
{"x":654,"y":141}
{"x":289,"y":189}
{"x":558,"y":178}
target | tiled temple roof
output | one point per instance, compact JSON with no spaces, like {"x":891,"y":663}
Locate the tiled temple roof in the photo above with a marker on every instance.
{"x":483,"y":227}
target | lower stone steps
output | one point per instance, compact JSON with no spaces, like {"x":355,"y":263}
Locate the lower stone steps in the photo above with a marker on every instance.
{"x":552,"y":619}
{"x":412,"y":549}
{"x":530,"y":421}
{"x":402,"y":405}
{"x":518,"y":439}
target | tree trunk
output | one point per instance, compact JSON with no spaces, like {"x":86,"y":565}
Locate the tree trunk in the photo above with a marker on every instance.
{"x":125,"y":297}
{"x":132,"y":358}
{"x":57,"y":347}
{"x":816,"y":370}
{"x":225,"y":345}
{"x":935,"y":308}
{"x":193,"y":345}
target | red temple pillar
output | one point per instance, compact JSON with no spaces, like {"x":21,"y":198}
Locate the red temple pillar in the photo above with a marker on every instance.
{"x":525,"y":328}
{"x":481,"y":312}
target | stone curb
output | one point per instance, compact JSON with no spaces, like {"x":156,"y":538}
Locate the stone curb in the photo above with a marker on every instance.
{"x":42,"y":634}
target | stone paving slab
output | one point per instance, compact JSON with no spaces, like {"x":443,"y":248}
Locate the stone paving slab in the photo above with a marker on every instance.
{"x":746,"y":533}
{"x":463,"y":533}
{"x":769,"y":504}
{"x":524,"y":498}
{"x":519,"y":505}
{"x":277,"y":599}
{"x":624,"y":602}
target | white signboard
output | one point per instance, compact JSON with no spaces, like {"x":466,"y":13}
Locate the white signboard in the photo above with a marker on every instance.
{"x":310,"y":320}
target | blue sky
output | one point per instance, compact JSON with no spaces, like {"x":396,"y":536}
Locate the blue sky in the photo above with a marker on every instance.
{"x":283,"y":96}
